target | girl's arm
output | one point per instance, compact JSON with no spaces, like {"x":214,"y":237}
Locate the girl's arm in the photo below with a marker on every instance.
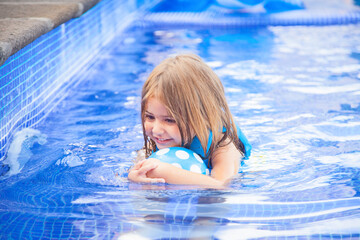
{"x":139,"y":172}
{"x":175,"y":175}
{"x":225,"y":164}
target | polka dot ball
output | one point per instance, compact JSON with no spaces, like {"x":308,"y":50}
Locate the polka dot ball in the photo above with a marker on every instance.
{"x":182,"y":158}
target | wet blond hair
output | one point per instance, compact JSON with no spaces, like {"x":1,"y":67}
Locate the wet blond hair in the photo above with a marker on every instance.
{"x":194,"y":96}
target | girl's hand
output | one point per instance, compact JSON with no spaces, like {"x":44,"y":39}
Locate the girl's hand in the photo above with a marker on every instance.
{"x":139,"y":172}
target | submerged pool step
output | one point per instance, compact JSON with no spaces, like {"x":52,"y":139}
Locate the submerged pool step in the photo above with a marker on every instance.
{"x":214,"y":19}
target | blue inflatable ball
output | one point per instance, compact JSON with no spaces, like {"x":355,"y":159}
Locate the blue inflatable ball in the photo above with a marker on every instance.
{"x":182,"y":158}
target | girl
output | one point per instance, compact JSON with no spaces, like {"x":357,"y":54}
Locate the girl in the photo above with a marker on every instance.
{"x":183,"y":104}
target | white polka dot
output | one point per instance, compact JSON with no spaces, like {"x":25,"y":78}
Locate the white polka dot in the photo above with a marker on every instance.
{"x":182,"y":154}
{"x":163,"y":151}
{"x":176,"y":165}
{"x":195,"y":168}
{"x":198,"y":157}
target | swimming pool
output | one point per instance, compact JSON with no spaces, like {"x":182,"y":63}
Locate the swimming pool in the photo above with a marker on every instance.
{"x":293,"y":90}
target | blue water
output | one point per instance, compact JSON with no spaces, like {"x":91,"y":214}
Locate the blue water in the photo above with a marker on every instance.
{"x":295,"y":92}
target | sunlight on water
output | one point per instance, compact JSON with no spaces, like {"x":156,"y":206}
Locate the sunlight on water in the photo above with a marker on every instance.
{"x":346,"y":160}
{"x":327,"y":89}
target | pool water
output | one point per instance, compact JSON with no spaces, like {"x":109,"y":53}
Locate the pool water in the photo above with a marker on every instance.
{"x":295,"y":92}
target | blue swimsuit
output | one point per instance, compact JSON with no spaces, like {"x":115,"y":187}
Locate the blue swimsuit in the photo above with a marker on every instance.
{"x":196,"y":146}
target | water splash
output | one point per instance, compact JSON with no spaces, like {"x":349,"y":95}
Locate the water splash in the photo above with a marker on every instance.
{"x":20,"y":149}
{"x":70,"y":160}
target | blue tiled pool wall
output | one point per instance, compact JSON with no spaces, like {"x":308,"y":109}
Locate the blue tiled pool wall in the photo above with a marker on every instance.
{"x":37,"y":77}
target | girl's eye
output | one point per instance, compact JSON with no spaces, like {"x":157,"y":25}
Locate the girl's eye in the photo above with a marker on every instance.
{"x":149,"y":117}
{"x":170,"y":120}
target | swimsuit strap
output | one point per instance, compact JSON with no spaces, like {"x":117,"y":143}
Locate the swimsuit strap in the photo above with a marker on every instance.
{"x":197,"y":148}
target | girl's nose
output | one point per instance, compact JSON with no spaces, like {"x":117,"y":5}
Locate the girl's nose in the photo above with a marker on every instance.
{"x":157,"y":128}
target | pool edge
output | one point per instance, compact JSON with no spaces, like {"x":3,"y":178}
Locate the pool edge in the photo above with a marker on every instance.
{"x":37,"y":77}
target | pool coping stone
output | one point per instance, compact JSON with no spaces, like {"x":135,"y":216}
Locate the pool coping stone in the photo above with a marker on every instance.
{"x":23,"y":21}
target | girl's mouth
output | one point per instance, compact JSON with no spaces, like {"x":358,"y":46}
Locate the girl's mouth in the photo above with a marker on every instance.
{"x":162,"y":140}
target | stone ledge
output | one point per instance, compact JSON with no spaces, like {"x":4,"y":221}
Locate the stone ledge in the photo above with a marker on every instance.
{"x":21,"y":21}
{"x":17,"y":33}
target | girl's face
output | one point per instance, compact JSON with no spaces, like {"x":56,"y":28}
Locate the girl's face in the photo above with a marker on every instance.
{"x":160,"y":126}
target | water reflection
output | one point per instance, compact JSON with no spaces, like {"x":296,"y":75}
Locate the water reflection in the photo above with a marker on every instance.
{"x":192,"y":216}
